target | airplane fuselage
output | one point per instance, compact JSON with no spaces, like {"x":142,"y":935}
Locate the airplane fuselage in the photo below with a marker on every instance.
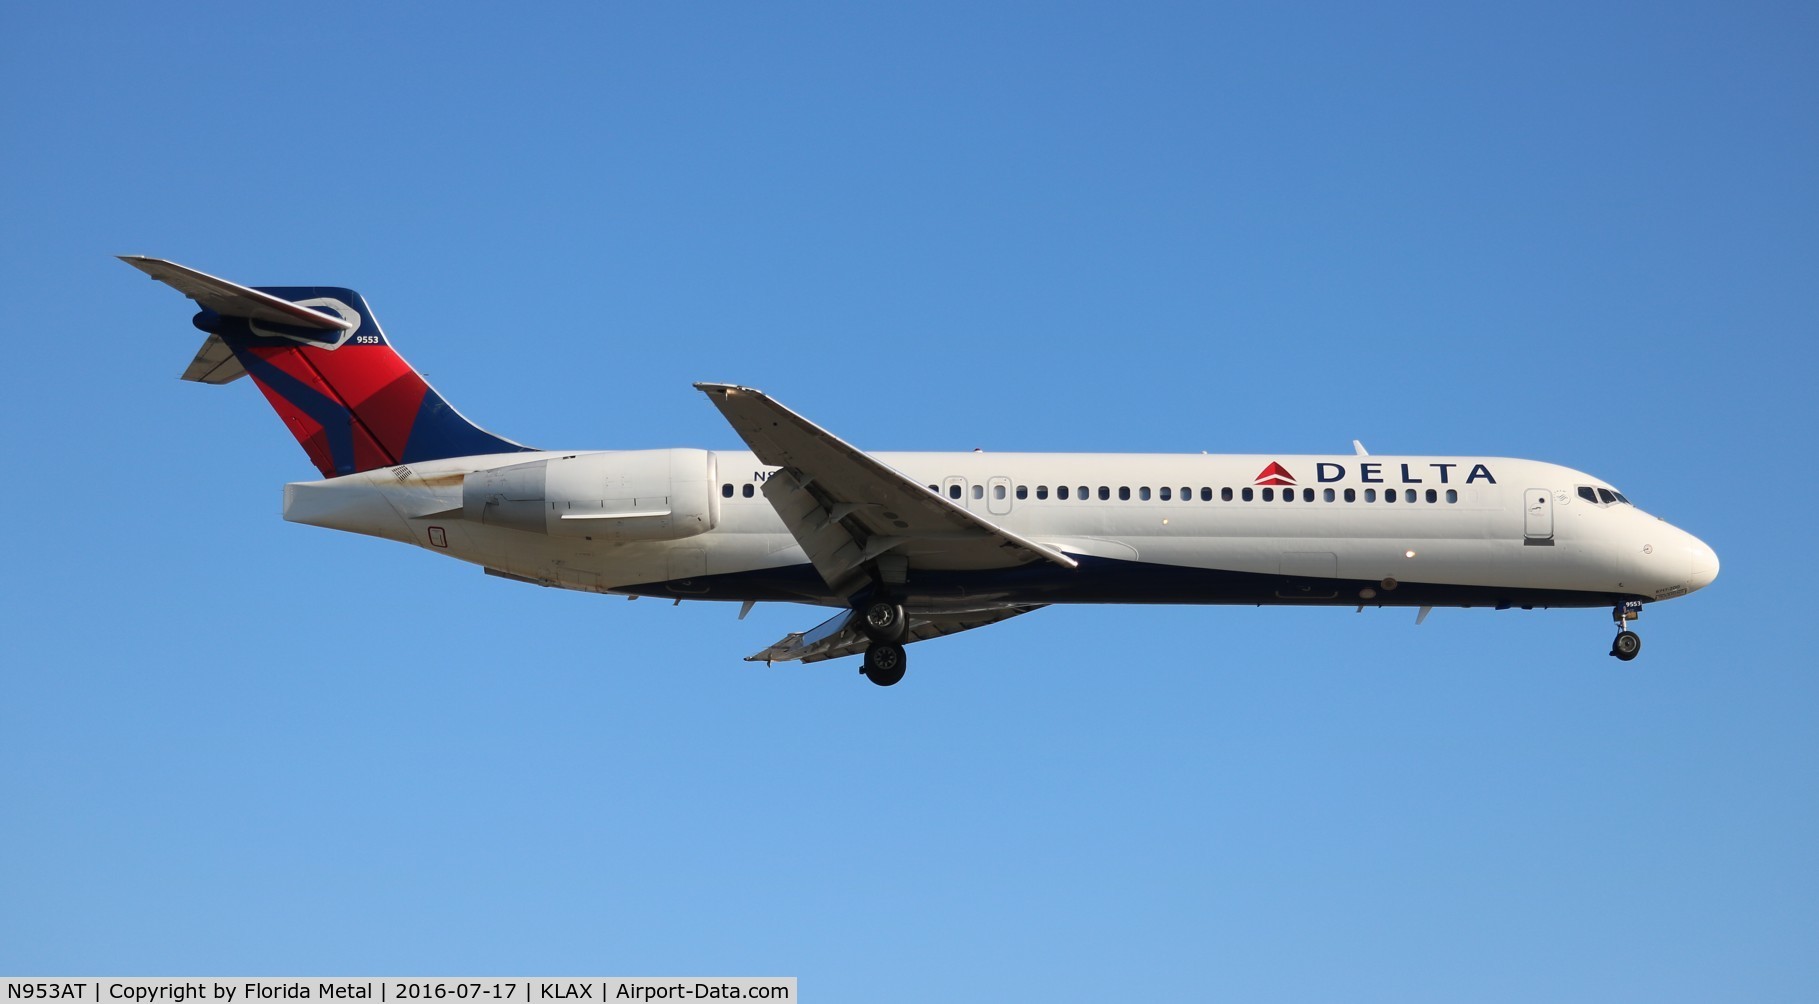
{"x":1144,"y":528}
{"x":912,"y":546}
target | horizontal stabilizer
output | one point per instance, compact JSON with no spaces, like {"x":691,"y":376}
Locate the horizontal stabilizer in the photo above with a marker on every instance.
{"x":231,"y":300}
{"x":214,"y":363}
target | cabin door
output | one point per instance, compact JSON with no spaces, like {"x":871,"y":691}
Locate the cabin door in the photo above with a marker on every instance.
{"x":1537,"y":514}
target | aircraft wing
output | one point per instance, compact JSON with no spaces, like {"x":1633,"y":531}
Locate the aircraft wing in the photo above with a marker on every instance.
{"x":838,"y":636}
{"x":848,"y":510}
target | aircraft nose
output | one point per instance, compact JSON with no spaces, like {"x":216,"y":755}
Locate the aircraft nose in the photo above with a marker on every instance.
{"x":1704,"y":563}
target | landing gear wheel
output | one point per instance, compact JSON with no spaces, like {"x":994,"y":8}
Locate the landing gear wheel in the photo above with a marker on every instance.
{"x":883,"y":620}
{"x":1628,"y":644}
{"x":885,"y":663}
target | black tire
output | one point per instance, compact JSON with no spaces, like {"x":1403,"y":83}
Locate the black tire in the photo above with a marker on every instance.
{"x":885,"y":663}
{"x":883,"y":620}
{"x":1627,"y":646}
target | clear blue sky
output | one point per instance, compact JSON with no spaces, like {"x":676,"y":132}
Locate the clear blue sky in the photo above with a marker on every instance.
{"x":1579,"y":233}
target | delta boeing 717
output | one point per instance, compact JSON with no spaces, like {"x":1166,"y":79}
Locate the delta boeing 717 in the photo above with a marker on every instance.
{"x":910,"y":546}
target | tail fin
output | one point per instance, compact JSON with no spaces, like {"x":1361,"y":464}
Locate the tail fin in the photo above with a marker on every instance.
{"x":319,"y":357}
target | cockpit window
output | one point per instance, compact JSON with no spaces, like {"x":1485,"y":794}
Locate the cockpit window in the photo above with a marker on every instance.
{"x":1602,"y":496}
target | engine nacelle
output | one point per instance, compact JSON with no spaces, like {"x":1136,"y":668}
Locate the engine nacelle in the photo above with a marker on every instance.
{"x":633,"y":495}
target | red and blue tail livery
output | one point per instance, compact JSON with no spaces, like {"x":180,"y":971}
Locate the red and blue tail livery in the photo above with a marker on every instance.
{"x":320,"y":358}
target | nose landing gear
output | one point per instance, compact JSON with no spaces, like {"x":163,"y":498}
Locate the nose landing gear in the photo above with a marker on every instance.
{"x":1628,"y":644}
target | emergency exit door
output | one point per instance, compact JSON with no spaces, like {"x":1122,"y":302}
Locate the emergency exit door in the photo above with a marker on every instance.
{"x":955,"y":490}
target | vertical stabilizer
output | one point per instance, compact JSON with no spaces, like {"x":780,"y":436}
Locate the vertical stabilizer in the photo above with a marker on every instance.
{"x":320,"y":358}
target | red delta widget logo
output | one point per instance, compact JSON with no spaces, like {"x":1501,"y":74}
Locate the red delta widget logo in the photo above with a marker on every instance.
{"x":1326,"y":472}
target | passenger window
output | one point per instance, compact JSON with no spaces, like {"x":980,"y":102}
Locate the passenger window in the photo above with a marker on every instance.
{"x":1586,"y":494}
{"x":726,"y":491}
{"x":1165,"y":493}
{"x":746,"y":490}
{"x":1225,"y":494}
{"x":1085,"y":493}
{"x":1247,"y":495}
{"x":1307,"y":494}
{"x":1433,"y":495}
{"x":934,"y":489}
{"x":1452,"y":495}
{"x":1061,"y":492}
{"x":1370,"y":494}
{"x":1187,"y":494}
{"x":1143,"y":494}
{"x":1389,"y":494}
{"x":953,"y":491}
{"x":978,"y":491}
{"x":1041,"y":492}
{"x":1124,"y":494}
{"x":1328,"y":495}
{"x":1269,"y":494}
{"x":1105,"y":494}
{"x":1351,"y":494}
{"x":1408,"y":495}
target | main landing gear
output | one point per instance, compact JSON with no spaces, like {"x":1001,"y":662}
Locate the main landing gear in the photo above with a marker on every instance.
{"x":1628,"y":644}
{"x":884,"y":663}
{"x":884,"y":621}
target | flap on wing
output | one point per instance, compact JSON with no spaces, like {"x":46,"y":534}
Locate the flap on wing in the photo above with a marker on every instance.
{"x":847,"y":508}
{"x":839,"y":636}
{"x":232,"y":300}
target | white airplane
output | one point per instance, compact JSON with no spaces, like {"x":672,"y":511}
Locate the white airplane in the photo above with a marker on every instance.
{"x":911,"y":546}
